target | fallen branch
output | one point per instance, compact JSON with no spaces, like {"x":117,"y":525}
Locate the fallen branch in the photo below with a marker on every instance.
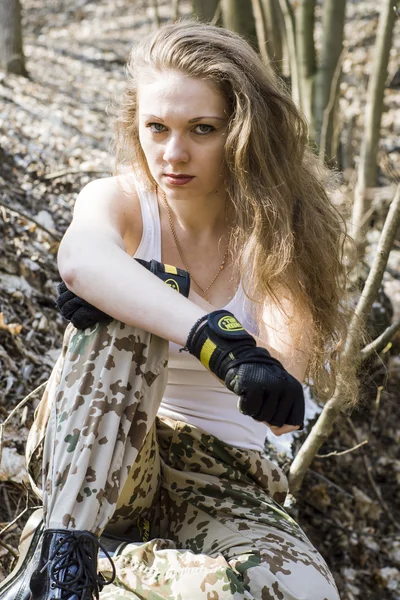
{"x":324,"y":425}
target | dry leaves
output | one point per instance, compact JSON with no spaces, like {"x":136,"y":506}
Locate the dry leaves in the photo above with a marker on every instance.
{"x":13,"y":328}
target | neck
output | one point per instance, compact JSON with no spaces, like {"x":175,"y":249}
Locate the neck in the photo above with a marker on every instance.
{"x":199,"y":217}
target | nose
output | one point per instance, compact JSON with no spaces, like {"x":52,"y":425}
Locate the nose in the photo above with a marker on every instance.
{"x":175,"y":150}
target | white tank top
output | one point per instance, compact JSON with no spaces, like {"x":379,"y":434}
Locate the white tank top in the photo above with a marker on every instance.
{"x":193,"y":394}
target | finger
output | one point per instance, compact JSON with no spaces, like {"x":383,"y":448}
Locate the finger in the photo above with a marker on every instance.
{"x":282,"y":413}
{"x":296,"y":415}
{"x":267,"y":401}
{"x":254,"y":405}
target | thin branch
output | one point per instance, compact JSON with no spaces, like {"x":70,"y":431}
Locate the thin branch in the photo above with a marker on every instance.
{"x":324,"y":425}
{"x":23,"y":214}
{"x":336,"y":453}
{"x":381,"y":341}
{"x":375,"y":275}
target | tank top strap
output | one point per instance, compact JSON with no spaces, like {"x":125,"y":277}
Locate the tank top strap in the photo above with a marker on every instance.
{"x":150,"y":244}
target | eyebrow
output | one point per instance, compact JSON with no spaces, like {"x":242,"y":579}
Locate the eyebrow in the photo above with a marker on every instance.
{"x":190,"y":120}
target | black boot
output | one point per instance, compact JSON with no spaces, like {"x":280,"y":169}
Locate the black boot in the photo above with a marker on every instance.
{"x":16,"y":585}
{"x":67,"y":567}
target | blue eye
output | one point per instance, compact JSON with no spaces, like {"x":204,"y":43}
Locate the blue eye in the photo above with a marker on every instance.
{"x":156,"y":127}
{"x":204,"y":129}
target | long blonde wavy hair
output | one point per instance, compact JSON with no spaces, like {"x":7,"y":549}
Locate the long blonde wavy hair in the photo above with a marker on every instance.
{"x":289,"y":238}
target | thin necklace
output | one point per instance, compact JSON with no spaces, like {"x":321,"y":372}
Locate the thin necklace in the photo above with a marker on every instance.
{"x":203,"y":291}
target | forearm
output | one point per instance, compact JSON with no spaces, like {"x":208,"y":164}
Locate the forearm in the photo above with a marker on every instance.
{"x":111,"y":280}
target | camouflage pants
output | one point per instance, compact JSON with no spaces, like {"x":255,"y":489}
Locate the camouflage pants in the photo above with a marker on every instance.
{"x":208,"y":516}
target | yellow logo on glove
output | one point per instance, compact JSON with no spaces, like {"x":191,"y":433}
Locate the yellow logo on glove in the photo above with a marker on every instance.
{"x":229,"y":323}
{"x":173,"y":284}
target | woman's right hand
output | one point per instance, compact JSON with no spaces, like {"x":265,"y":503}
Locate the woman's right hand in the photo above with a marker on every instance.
{"x":267,"y":392}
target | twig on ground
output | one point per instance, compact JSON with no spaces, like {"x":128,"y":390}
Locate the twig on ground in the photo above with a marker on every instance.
{"x":57,"y":174}
{"x":15,"y":410}
{"x":9,"y":525}
{"x":7,"y":503}
{"x":336,"y":453}
{"x":331,"y":483}
{"x":9,"y":549}
{"x":52,"y":234}
{"x":369,"y":469}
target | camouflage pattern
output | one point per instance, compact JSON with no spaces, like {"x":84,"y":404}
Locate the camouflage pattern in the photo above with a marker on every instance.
{"x":205,"y":520}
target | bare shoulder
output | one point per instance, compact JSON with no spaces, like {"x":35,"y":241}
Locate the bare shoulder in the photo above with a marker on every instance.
{"x":110,"y":205}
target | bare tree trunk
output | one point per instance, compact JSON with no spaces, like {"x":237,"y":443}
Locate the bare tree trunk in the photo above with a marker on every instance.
{"x":290,"y":26}
{"x":260,"y":29}
{"x":274,"y":27}
{"x":323,"y":427}
{"x":332,"y":25}
{"x":175,"y":10}
{"x":330,"y":118}
{"x":306,"y":59}
{"x":237,"y":15}
{"x":12,"y":58}
{"x":205,"y":10}
{"x":373,"y":115}
{"x":156,"y":14}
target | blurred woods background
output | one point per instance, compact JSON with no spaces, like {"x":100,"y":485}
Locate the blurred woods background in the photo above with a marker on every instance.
{"x":61,"y":67}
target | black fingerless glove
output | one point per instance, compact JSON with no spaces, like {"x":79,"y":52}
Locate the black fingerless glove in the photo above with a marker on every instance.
{"x":82,"y":314}
{"x":267,"y":392}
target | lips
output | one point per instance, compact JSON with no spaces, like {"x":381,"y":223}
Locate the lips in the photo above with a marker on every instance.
{"x":180,"y":179}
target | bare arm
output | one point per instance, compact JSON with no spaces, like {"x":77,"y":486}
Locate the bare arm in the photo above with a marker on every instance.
{"x":94,"y":264}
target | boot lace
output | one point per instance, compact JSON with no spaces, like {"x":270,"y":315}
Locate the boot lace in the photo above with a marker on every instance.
{"x":73,"y":566}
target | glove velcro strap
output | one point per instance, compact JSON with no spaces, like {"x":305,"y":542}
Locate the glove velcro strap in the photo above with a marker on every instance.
{"x":217,"y":339}
{"x":177,"y":279}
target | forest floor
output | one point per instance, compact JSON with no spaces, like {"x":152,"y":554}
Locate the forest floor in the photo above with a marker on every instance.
{"x":56,"y":136}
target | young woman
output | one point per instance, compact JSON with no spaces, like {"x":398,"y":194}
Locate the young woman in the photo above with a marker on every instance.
{"x":166,"y":446}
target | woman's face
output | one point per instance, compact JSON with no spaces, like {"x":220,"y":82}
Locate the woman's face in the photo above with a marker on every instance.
{"x":182,"y":130}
